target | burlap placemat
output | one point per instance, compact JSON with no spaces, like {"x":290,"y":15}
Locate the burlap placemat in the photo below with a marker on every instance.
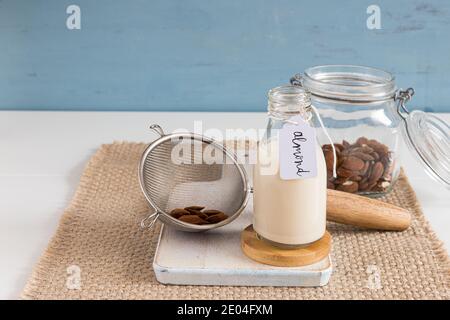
{"x":100,"y":252}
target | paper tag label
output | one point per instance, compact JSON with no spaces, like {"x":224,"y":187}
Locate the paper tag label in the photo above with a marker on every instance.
{"x":297,"y":148}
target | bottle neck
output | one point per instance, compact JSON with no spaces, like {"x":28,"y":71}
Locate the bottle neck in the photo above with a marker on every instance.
{"x":287,"y":101}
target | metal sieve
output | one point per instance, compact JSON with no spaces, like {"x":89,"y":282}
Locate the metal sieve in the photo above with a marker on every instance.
{"x":184,"y":169}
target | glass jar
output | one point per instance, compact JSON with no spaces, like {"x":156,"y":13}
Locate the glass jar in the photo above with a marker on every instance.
{"x":289,"y":212}
{"x":365,"y":115}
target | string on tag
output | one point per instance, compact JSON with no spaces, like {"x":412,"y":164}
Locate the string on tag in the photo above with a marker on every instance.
{"x":329,"y":139}
{"x":316,"y":112}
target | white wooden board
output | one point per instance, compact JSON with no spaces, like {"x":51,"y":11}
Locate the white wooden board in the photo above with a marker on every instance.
{"x":215,"y":258}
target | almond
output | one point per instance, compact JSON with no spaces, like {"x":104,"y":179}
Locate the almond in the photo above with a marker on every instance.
{"x":340,"y":180}
{"x":339,"y":161}
{"x":364,"y":170}
{"x":353,"y":163}
{"x":362,"y":141}
{"x":338,"y":146}
{"x":371,"y":186}
{"x":198,"y":208}
{"x":377,"y":172}
{"x":345,"y":144}
{"x":385,"y":184}
{"x":178,"y":212}
{"x":211,"y":212}
{"x":355,"y":148}
{"x":193,"y":219}
{"x":217,"y":218}
{"x":345,"y":173}
{"x":366,"y":149}
{"x":329,"y":174}
{"x":362,"y":156}
{"x":363,"y":186}
{"x":382,"y":186}
{"x":196,"y":212}
{"x":369,"y":172}
{"x":375,"y":155}
{"x":378,"y":147}
{"x":202,"y":215}
{"x":348,"y":186}
{"x":329,"y":158}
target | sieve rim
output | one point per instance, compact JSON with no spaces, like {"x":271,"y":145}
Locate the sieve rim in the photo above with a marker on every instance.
{"x":164,"y":216}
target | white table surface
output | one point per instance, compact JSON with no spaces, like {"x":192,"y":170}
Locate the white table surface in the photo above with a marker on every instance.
{"x":42,"y":156}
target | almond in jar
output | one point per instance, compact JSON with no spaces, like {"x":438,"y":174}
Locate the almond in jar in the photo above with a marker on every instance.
{"x":290,"y":177}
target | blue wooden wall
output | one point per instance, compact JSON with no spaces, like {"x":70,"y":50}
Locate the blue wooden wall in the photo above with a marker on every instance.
{"x":209,"y":54}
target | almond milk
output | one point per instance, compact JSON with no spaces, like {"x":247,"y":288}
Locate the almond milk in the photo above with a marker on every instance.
{"x":291,"y":212}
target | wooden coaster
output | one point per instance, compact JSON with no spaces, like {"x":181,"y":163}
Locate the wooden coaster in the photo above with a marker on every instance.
{"x":262,"y":251}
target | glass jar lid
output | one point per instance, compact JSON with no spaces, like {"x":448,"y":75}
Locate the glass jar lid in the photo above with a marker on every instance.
{"x":428,"y":136}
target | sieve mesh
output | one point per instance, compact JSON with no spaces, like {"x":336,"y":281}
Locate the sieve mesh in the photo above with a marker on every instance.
{"x":183,"y":170}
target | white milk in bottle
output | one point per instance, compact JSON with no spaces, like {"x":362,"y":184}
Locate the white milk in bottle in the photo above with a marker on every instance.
{"x":289,"y":178}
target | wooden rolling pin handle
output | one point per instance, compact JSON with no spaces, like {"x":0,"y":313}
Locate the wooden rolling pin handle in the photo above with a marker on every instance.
{"x":365,"y":212}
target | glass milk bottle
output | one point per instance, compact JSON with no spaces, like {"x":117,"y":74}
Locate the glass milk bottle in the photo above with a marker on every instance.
{"x":290,"y":176}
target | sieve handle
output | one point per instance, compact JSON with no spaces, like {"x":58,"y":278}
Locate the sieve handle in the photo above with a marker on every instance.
{"x":157,"y":128}
{"x":155,"y":217}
